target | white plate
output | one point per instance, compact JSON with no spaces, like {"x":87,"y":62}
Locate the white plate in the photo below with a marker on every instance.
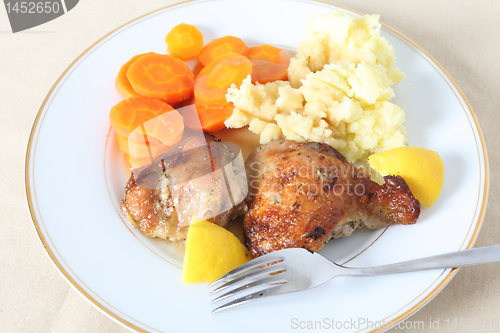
{"x":75,"y":179}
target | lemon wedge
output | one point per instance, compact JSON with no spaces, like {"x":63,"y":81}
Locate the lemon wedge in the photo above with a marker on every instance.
{"x":422,"y":169}
{"x":211,"y":252}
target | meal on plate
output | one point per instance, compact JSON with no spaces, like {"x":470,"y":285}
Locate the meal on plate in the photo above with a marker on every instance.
{"x":305,"y":124}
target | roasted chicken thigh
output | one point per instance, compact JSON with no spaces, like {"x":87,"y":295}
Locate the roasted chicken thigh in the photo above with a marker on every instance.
{"x":161,"y":198}
{"x":304,"y":194}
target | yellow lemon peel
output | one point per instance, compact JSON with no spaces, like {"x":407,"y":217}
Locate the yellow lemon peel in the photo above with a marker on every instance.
{"x":211,"y":252}
{"x":421,"y":168}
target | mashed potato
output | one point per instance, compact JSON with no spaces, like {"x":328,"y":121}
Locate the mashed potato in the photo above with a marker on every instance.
{"x":340,"y":84}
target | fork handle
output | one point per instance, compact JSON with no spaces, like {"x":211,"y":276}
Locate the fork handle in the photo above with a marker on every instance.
{"x":481,"y":255}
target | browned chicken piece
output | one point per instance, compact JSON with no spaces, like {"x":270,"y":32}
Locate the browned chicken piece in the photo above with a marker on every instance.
{"x":154,"y":193}
{"x":304,"y":194}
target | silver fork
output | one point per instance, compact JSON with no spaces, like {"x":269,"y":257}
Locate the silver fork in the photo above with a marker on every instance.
{"x":290,"y":270}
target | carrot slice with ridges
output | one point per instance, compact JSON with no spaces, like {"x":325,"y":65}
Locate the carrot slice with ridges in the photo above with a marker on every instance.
{"x":264,"y":52}
{"x":184,"y":41}
{"x":142,"y":150}
{"x":167,"y":127}
{"x":140,"y":118}
{"x":122,"y":83}
{"x":134,"y":111}
{"x":210,"y":90}
{"x":161,"y":76}
{"x":220,"y":46}
{"x":230,"y":70}
{"x":208,"y":94}
{"x":269,"y":63}
{"x":212,"y":118}
{"x":208,"y":68}
{"x":147,"y":140}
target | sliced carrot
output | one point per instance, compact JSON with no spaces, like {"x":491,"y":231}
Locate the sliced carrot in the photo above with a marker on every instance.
{"x":128,"y":115}
{"x":230,"y":70}
{"x":264,"y":52}
{"x":212,"y":118}
{"x":141,"y":119}
{"x":167,"y":127}
{"x":161,"y":76}
{"x":141,"y":150}
{"x":207,"y":94}
{"x":144,"y":139}
{"x":184,"y":41}
{"x":269,"y":63}
{"x":208,"y":68}
{"x":122,"y":83}
{"x":210,"y":90}
{"x":220,"y":46}
{"x":152,"y":137}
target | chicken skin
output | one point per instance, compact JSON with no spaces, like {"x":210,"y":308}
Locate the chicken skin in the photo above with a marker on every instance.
{"x":160,"y":199}
{"x":304,"y":194}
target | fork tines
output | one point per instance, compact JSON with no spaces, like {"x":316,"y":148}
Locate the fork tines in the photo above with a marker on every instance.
{"x":253,"y":280}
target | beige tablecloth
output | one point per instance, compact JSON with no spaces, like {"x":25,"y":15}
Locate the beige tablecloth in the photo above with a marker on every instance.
{"x":462,"y":35}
